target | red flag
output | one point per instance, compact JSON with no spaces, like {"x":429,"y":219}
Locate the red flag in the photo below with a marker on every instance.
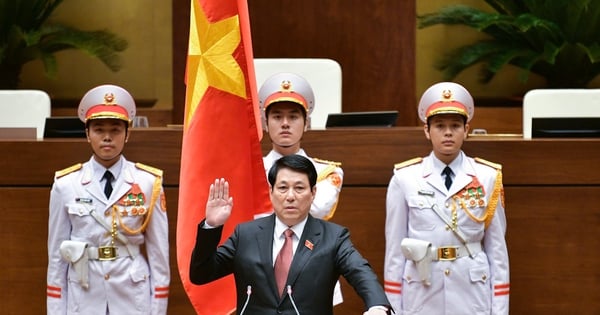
{"x":221,"y":136}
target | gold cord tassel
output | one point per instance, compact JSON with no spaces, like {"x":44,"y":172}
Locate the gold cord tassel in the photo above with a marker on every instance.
{"x":155,"y":194}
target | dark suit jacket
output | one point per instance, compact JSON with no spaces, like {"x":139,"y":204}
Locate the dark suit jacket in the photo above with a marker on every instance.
{"x":248,"y":253}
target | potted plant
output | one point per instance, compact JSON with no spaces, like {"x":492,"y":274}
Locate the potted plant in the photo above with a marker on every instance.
{"x":556,"y":39}
{"x":26,"y":35}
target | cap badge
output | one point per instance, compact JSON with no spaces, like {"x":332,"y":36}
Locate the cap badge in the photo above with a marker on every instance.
{"x":109,"y":98}
{"x":447,"y":96}
{"x":286,"y":86}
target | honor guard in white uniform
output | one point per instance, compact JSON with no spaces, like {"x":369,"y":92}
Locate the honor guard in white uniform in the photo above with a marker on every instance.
{"x":102,"y":213}
{"x":286,"y":102}
{"x":445,"y":225}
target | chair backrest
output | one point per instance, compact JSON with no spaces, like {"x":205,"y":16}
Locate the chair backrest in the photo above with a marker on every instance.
{"x":567,"y":104}
{"x":324,"y":76}
{"x":24,"y":109}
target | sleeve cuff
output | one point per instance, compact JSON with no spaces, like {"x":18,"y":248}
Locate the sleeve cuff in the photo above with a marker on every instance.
{"x":379,"y":307}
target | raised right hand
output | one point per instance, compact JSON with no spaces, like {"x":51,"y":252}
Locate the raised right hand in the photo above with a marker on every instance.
{"x":219,"y":203}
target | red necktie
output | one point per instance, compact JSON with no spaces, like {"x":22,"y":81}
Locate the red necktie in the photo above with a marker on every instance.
{"x":283,"y":261}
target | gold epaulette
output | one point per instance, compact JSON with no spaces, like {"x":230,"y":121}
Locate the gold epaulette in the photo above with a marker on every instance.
{"x":488,"y":163}
{"x":152,"y":170}
{"x":408,"y":163}
{"x":327,"y":162}
{"x":68,"y":170}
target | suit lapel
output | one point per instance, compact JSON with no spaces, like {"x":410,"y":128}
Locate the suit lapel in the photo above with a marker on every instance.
{"x":264,"y":242}
{"x":310,"y":239}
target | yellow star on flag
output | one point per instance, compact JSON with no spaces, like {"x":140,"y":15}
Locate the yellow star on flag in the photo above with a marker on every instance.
{"x":210,"y":60}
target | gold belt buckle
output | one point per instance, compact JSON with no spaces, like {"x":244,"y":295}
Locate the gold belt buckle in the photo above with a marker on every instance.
{"x":107,"y":253}
{"x":447,"y":253}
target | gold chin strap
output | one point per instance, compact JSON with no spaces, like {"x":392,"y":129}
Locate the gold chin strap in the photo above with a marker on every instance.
{"x":155,"y":194}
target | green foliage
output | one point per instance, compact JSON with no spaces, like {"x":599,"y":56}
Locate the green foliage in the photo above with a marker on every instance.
{"x":556,"y":39}
{"x":26,"y":35}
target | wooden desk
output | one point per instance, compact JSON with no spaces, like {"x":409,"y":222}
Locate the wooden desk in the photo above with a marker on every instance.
{"x":552,"y":190}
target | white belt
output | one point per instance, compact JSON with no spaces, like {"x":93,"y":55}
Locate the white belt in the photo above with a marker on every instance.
{"x":112,"y":252}
{"x":455,"y":252}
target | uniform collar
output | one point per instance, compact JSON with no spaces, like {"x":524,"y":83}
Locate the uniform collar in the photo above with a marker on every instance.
{"x":276,"y":155}
{"x":436,"y":166}
{"x":99,"y":170}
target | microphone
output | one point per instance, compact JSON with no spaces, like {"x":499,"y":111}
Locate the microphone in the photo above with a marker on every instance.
{"x":248,"y":292}
{"x":289,"y":292}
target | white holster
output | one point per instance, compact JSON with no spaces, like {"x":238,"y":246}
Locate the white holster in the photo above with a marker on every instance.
{"x":421,"y":253}
{"x":76,"y":253}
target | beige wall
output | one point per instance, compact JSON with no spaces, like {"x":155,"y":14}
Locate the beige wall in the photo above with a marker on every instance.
{"x":147,"y":63}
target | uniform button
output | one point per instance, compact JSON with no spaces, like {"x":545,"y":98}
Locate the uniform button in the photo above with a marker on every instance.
{"x":106,"y":213}
{"x":447,"y":205}
{"x":80,"y":211}
{"x":408,"y":278}
{"x":420,"y":204}
{"x":484,"y":277}
{"x":106,"y":276}
{"x":447,"y":272}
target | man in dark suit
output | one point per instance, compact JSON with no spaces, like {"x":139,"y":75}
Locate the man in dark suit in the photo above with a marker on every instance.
{"x":256,"y":252}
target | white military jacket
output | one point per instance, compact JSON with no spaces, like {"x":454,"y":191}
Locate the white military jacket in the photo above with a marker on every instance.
{"x":133,"y":283}
{"x":467,"y":285}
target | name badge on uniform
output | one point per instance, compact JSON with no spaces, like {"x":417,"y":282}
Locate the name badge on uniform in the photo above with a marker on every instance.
{"x":84,"y":200}
{"x":429,"y":193}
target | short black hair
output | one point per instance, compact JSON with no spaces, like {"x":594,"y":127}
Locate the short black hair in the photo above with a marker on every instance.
{"x":294,"y":162}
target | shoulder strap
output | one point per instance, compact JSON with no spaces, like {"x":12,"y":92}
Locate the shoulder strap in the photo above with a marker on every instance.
{"x":338,"y":164}
{"x":152,"y":170}
{"x":68,"y":170}
{"x":408,"y":163}
{"x":488,"y":163}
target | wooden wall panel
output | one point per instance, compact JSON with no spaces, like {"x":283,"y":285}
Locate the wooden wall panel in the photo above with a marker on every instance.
{"x":368,"y":155}
{"x":24,"y":235}
{"x":551,"y":231}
